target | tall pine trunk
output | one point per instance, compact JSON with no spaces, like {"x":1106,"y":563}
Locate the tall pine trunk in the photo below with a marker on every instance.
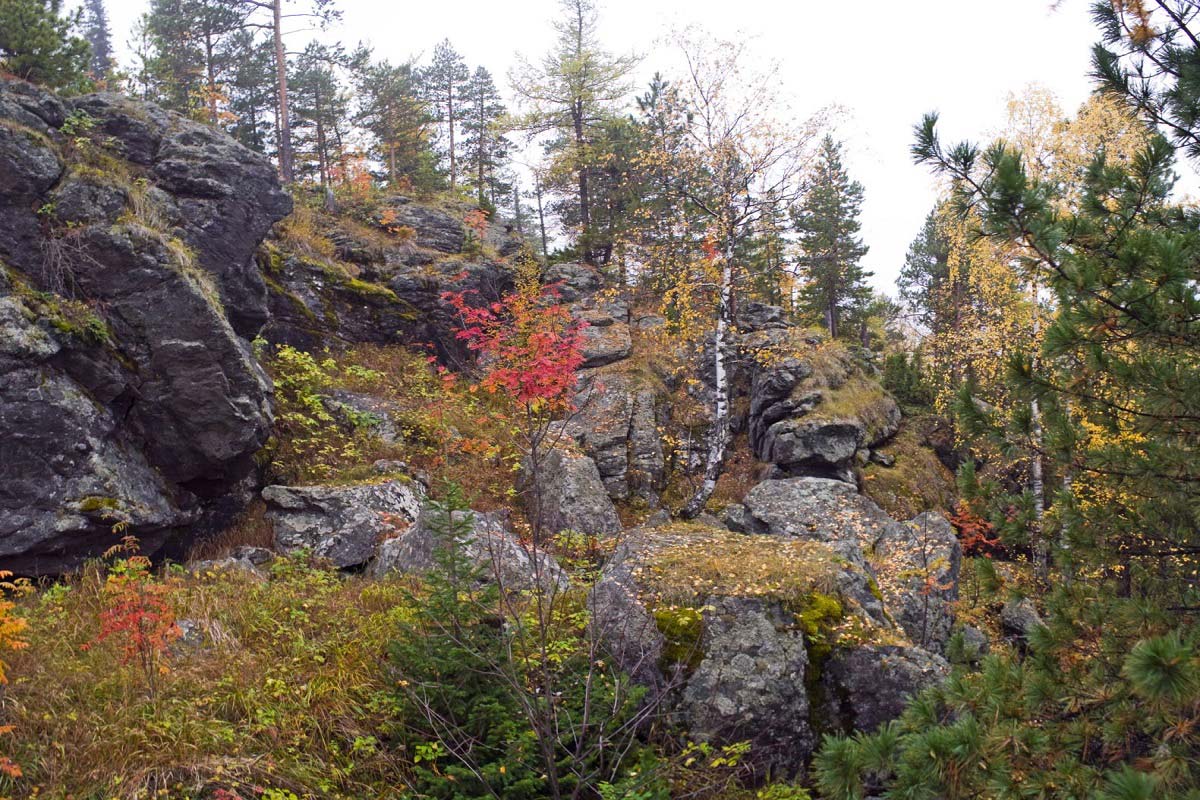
{"x":285,"y":127}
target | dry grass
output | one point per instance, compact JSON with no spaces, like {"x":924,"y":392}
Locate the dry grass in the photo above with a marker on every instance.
{"x":287,"y":691}
{"x":688,"y":563}
{"x":916,"y":482}
{"x":300,"y":232}
{"x":250,"y":529}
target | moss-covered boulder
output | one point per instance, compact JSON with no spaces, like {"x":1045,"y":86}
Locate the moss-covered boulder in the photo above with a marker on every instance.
{"x":813,"y":407}
{"x":730,"y":630}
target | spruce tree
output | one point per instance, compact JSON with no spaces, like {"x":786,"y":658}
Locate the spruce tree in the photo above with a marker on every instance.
{"x":446,"y":82}
{"x":98,"y":35}
{"x":924,"y":276}
{"x":834,"y":283}
{"x":38,"y":43}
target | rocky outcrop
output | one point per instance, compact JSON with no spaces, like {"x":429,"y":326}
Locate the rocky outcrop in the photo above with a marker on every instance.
{"x":914,"y":565}
{"x":617,"y":425}
{"x":484,"y":540}
{"x":316,"y":303}
{"x":812,"y":408}
{"x":726,"y":630}
{"x":572,"y":496}
{"x":130,"y":393}
{"x":344,"y":524}
{"x":920,"y":563}
{"x":817,"y":509}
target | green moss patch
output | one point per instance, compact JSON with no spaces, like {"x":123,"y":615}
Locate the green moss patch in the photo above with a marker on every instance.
{"x":917,"y":481}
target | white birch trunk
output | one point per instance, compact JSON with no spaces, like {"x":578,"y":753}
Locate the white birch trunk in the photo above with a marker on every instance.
{"x":719,"y":438}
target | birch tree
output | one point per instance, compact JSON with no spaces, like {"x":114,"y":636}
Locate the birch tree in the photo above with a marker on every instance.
{"x":739,"y":158}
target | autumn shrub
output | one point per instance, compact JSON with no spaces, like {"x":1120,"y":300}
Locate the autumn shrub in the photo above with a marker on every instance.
{"x":277,"y":688}
{"x":530,"y":349}
{"x":138,"y":616}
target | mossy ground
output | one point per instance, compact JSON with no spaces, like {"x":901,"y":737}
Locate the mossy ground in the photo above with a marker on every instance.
{"x":917,"y":481}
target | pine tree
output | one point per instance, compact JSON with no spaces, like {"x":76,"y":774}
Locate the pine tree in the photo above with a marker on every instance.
{"x":826,"y":222}
{"x":37,"y":42}
{"x":571,"y":92}
{"x":321,"y":109}
{"x":98,"y":35}
{"x":446,"y":81}
{"x":1105,"y":704}
{"x":394,"y":115}
{"x":251,"y":86}
{"x":484,"y":147}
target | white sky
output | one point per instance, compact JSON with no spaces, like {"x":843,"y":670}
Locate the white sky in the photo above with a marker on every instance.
{"x":886,"y":62}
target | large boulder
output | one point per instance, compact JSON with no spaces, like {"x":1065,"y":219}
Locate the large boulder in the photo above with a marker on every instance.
{"x":571,"y":497}
{"x":130,"y":394}
{"x":485,"y":540}
{"x":812,"y":408}
{"x":914,"y":565}
{"x":724,"y":629}
{"x":344,"y":524}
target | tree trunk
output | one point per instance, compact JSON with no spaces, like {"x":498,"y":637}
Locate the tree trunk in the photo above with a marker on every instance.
{"x":1037,"y":486}
{"x":537,"y":191}
{"x":450,"y":124}
{"x":719,"y":440}
{"x":585,"y":209}
{"x":210,"y":70}
{"x":285,"y":128}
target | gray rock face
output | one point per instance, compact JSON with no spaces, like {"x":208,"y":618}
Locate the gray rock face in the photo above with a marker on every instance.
{"x":749,"y":684}
{"x":867,"y":686}
{"x":617,"y":425}
{"x":572,"y":496}
{"x":485,"y":540}
{"x":812,"y":417}
{"x":574,"y":281}
{"x":923,"y":558}
{"x":134,"y":400}
{"x":606,"y":343}
{"x":436,"y":229}
{"x":365,"y":411}
{"x":313,"y":305}
{"x":224,"y":198}
{"x":344,"y":524}
{"x":817,"y":509}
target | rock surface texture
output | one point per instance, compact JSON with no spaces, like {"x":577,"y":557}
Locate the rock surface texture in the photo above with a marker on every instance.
{"x":129,"y":393}
{"x":344,"y":524}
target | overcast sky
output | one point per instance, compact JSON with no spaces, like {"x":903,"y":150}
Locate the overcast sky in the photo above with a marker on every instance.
{"x":886,"y":62}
